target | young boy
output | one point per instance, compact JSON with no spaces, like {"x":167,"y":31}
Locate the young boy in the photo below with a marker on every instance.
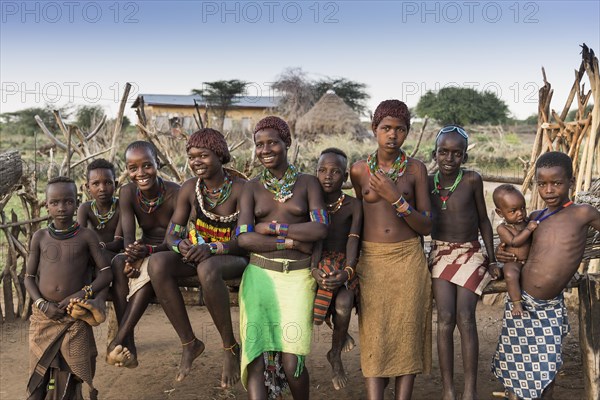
{"x":529,"y":349}
{"x":459,"y":269}
{"x":62,"y":350}
{"x":102,"y":216}
{"x":102,"y":213}
{"x":336,"y":275}
{"x":515,"y":232}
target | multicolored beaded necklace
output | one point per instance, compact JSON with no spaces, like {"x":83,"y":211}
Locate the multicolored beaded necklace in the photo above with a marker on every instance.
{"x":281,"y":188}
{"x":104,"y":218}
{"x":542,"y":217}
{"x":150,"y":205}
{"x":398,"y":167}
{"x":62,"y":234}
{"x":220,"y":194}
{"x":451,"y":189}
{"x":215,"y":217}
{"x":335,"y":206}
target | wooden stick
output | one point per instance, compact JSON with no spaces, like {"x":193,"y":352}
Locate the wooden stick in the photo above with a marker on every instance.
{"x":48,"y":133}
{"x":29,"y":221}
{"x":420,"y":137}
{"x":119,"y":123}
{"x":97,"y":129}
{"x":90,"y":156}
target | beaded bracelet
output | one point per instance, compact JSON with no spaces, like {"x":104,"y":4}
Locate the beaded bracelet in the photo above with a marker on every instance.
{"x":353,"y":235}
{"x":282,"y":230}
{"x":218,"y":248}
{"x":321,"y":216}
{"x":405,"y":213}
{"x":289,"y":243}
{"x":243,"y":229}
{"x":88,"y":291}
{"x":151,"y":249}
{"x":102,"y":245}
{"x":280,"y":243}
{"x":175,"y":246}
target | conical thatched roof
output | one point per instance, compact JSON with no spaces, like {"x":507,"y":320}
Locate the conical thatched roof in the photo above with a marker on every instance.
{"x":330,"y":116}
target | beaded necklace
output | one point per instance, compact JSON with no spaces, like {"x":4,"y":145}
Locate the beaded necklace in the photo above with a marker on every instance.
{"x":104,"y":218}
{"x":150,"y":205}
{"x":451,"y":189}
{"x":62,"y":234}
{"x":398,"y":166}
{"x":542,"y":217}
{"x":281,"y":188}
{"x":222,"y":193}
{"x":214,"y":217}
{"x":336,"y":205}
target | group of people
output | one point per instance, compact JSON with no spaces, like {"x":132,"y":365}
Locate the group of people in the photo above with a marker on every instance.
{"x":307,"y":253}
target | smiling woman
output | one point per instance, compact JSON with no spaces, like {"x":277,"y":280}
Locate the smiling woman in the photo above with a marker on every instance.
{"x":282,"y":214}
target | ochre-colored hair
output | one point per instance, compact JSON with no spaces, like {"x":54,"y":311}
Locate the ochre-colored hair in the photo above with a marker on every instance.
{"x":279,"y":125}
{"x":212,"y":140}
{"x":394,"y":109}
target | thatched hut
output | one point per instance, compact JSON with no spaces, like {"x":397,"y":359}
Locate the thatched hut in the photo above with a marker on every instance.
{"x":331,"y":116}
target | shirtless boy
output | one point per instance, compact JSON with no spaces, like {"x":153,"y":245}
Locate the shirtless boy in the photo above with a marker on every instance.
{"x":527,"y":366}
{"x":459,"y":269}
{"x":62,"y":349}
{"x":336,"y":275}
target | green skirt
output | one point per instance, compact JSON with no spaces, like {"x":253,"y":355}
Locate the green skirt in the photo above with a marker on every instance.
{"x":276,"y":310}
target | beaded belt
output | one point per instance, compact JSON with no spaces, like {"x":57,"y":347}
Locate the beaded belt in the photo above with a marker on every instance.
{"x":279,"y":266}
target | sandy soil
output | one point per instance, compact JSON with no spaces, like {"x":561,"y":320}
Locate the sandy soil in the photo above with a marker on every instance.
{"x":159,"y":354}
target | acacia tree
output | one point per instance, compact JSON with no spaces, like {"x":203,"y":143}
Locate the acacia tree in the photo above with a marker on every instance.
{"x":353,"y":93}
{"x":297,"y":95}
{"x":221,"y":95}
{"x":462,"y":106}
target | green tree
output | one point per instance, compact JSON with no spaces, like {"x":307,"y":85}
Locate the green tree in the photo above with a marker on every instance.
{"x":462,"y":106}
{"x":87,"y":117}
{"x":353,"y":93}
{"x":221,"y":95}
{"x":22,"y":122}
{"x":572,"y":113}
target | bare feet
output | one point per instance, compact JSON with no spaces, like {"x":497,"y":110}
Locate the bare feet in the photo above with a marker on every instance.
{"x":91,"y":311}
{"x":191,"y":351}
{"x":517,"y":310}
{"x":348,"y":344}
{"x":339,"y":375}
{"x":231,"y":366}
{"x":121,"y":357}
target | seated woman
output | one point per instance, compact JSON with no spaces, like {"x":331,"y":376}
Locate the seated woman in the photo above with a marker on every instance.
{"x":282,"y":213}
{"x":212,"y":196}
{"x":151,"y":201}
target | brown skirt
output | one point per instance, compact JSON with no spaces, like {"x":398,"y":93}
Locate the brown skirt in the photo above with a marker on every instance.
{"x":395,"y":309}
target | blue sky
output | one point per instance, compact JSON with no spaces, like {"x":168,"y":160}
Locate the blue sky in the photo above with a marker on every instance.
{"x":84,"y":51}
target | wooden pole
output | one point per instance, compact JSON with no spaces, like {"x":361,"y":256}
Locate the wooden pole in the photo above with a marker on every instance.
{"x":119,"y":123}
{"x":589,"y":333}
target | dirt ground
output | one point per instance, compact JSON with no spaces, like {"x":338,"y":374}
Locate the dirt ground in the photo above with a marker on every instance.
{"x":159,"y":353}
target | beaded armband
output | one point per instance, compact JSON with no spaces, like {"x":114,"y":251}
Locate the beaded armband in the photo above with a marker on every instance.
{"x":175,"y":246}
{"x":179,"y":231}
{"x":243,"y":229}
{"x":280,"y":243}
{"x":426,"y":213}
{"x":218,"y":248}
{"x":321,"y":216}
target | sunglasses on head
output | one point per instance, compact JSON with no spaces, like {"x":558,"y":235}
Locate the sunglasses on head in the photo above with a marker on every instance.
{"x":452,"y":128}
